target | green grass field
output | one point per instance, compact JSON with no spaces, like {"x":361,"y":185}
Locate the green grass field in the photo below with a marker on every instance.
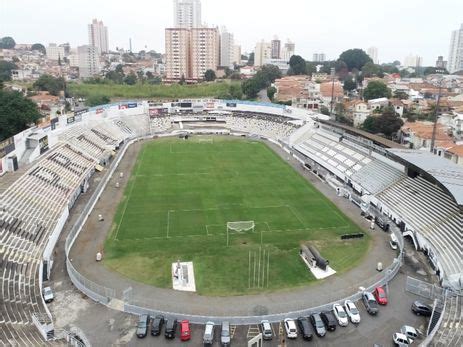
{"x":181,"y":195}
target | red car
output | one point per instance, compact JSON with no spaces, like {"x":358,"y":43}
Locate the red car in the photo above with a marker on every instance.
{"x":185,"y":332}
{"x":380,"y":295}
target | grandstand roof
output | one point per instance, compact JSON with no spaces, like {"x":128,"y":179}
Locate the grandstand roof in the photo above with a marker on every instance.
{"x":446,"y":173}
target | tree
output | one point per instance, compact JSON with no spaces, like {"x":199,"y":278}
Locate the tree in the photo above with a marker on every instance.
{"x":370,"y":69}
{"x":433,"y":70}
{"x":398,"y":94}
{"x":16,"y":113}
{"x":297,"y":65}
{"x":50,"y":84}
{"x":268,"y":74}
{"x":130,"y":79}
{"x":149,"y":75}
{"x":271,"y":92}
{"x":388,"y":123}
{"x":5,"y":70}
{"x":375,"y":90}
{"x":324,"y":110}
{"x":7,"y":42}
{"x":97,"y":99}
{"x":114,"y":77}
{"x":349,"y":85}
{"x":209,"y":75}
{"x":355,"y":58}
{"x":251,"y":88}
{"x":235,"y":76}
{"x":39,"y":47}
{"x":235,"y":91}
{"x":311,"y":67}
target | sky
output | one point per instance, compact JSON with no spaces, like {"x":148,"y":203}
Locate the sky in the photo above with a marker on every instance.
{"x":396,"y":27}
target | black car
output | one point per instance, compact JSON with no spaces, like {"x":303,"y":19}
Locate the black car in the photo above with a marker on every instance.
{"x":370,"y":303}
{"x":329,"y":320}
{"x":305,"y":328}
{"x":142,"y":326}
{"x":156,"y":325}
{"x":171,"y":328}
{"x":421,"y":309}
{"x":318,"y":324}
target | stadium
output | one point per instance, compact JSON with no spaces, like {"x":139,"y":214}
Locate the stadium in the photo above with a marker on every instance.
{"x":221,"y":184}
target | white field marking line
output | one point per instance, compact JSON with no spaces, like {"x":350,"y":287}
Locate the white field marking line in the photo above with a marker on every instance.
{"x":130,"y":194}
{"x":168,"y":222}
{"x":295,"y":214}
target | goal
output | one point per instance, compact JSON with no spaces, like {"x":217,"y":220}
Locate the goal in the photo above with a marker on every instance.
{"x":239,"y":227}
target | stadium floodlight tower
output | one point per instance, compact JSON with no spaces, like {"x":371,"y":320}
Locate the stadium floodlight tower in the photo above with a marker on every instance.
{"x":240,"y":227}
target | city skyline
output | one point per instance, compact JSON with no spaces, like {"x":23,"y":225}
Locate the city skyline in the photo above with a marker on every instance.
{"x":310,"y":33}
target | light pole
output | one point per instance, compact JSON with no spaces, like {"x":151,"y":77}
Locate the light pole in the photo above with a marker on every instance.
{"x":436,"y":110}
{"x":332,"y":93}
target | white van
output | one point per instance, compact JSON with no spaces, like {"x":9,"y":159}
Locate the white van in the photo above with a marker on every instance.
{"x":208,"y":337}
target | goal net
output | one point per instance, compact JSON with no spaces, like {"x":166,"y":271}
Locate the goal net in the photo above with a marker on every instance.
{"x":240,"y":226}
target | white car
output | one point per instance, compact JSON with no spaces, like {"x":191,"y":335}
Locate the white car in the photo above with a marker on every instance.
{"x":290,"y":327}
{"x":352,"y":311}
{"x":401,"y":340}
{"x":48,"y":294}
{"x":340,"y":315}
{"x":410,"y":332}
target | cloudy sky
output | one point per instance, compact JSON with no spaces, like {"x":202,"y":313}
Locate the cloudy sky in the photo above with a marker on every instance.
{"x":396,"y":27}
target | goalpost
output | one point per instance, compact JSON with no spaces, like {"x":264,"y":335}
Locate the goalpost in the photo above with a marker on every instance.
{"x":239,"y":227}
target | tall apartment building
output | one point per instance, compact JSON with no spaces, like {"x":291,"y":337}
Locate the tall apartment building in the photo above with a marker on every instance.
{"x":191,"y":52}
{"x":288,"y":50}
{"x":226,"y":48}
{"x":98,"y":36}
{"x":373,"y":53}
{"x":187,"y":14}
{"x":236,"y":54}
{"x":54,"y":52}
{"x":413,"y":61}
{"x":262,"y":52}
{"x":441,"y":63}
{"x":177,"y":53}
{"x":455,"y":62}
{"x":205,"y":44}
{"x":319,"y":57}
{"x":89,"y":61}
{"x":276,"y":48}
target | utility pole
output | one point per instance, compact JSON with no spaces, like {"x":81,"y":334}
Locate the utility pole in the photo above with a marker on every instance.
{"x":332,"y":92}
{"x":436,"y":110}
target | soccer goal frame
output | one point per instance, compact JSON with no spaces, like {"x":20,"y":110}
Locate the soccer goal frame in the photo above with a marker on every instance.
{"x":240,"y":227}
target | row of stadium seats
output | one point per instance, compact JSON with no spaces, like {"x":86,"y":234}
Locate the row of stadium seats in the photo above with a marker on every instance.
{"x":30,"y":209}
{"x":451,"y":332}
{"x":377,"y":176}
{"x":432,"y":213}
{"x":274,"y":127}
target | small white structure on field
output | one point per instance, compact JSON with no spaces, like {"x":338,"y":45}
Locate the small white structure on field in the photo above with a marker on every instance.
{"x":316,"y":264}
{"x":183,"y":276}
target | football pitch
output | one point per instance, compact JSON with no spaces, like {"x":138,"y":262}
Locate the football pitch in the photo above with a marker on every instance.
{"x":182,"y":193}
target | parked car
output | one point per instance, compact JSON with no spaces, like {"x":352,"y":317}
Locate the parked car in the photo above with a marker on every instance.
{"x":185,"y":331}
{"x":171,"y":328}
{"x":318,"y":324}
{"x":352,"y":311}
{"x":421,"y":309}
{"x":393,"y":242}
{"x":340,"y":315}
{"x":370,"y":303}
{"x":305,"y":328}
{"x":400,"y":340}
{"x":156,"y":325}
{"x":142,"y":326}
{"x":380,"y":295}
{"x":225,"y":338}
{"x":329,"y":320}
{"x":290,"y":327}
{"x":266,"y":328}
{"x":410,"y":332}
{"x":208,"y":337}
{"x":48,"y":294}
